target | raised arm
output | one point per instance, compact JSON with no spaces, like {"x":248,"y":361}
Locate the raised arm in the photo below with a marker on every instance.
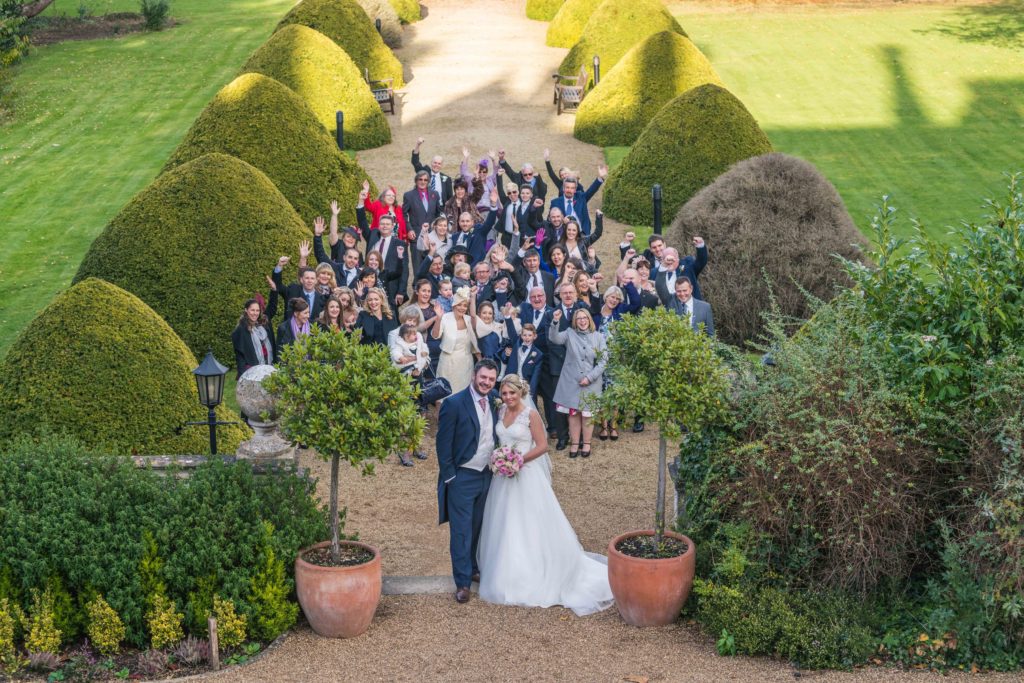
{"x":595,"y":235}
{"x":551,"y":171}
{"x":417,"y":166}
{"x":333,"y":236}
{"x":702,"y":255}
{"x":556,"y":334}
{"x":632,"y":300}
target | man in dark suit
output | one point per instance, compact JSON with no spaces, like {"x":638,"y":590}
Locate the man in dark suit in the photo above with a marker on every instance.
{"x":530,"y":275}
{"x":526,"y":176}
{"x":346,"y":271}
{"x":440,"y":183}
{"x":305,"y":289}
{"x":573,"y":203}
{"x":474,"y":236}
{"x":465,"y":439}
{"x":522,"y":357}
{"x":536,"y":312}
{"x":686,"y":306}
{"x":421,"y":205}
{"x":672,"y":268}
{"x":394,"y":255}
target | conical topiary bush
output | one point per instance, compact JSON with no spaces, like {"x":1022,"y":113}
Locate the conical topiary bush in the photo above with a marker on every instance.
{"x":566,"y":26}
{"x":327,"y":79}
{"x":543,"y":10}
{"x":771,"y":216}
{"x":195,"y":244}
{"x":102,"y":366}
{"x":348,"y":25}
{"x":689,"y":143}
{"x":653,"y":72}
{"x":264,"y":123}
{"x":615,"y":27}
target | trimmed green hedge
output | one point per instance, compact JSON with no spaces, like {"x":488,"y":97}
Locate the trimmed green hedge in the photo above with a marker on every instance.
{"x":323,"y":75}
{"x":771,"y":216}
{"x":264,"y":123}
{"x":390,"y":24}
{"x":689,"y":143}
{"x":102,"y":366}
{"x":195,"y":244}
{"x":631,"y":94}
{"x":567,"y":25}
{"x":615,"y":27}
{"x":347,"y":24}
{"x":408,"y":10}
{"x":543,"y":10}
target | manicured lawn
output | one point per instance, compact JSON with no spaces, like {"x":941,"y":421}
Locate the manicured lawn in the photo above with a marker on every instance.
{"x":923,"y":103}
{"x":93,"y":122}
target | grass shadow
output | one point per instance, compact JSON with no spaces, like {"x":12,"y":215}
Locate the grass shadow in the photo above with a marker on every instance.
{"x":1000,"y":24}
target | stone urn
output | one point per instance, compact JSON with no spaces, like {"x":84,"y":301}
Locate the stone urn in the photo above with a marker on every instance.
{"x":266,"y":447}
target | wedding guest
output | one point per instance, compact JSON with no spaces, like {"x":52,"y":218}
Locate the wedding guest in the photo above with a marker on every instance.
{"x":440,"y":182}
{"x":556,"y":178}
{"x":581,"y":375}
{"x":459,"y":349}
{"x":575,"y":242}
{"x":527,"y":175}
{"x":346,"y":271}
{"x":385,"y":205}
{"x":445,"y":296}
{"x":530,"y":275}
{"x":392,"y":254}
{"x":423,"y":295}
{"x":421,"y":205}
{"x":367,"y":283}
{"x":325,"y":281}
{"x":567,"y":304}
{"x":293,"y":327}
{"x":490,"y":333}
{"x":573,"y":203}
{"x":473,"y":236}
{"x":556,"y":260}
{"x":375,"y":321}
{"x":482,"y":181}
{"x":462,"y":201}
{"x":410,"y":355}
{"x":463,"y":275}
{"x":304,"y":289}
{"x":673,"y":268}
{"x":432,"y":270}
{"x":253,"y":337}
{"x":689,"y":307}
{"x":521,"y":355}
{"x":435,"y":240}
{"x":586,"y":291}
{"x":409,"y":314}
{"x":617,"y":302}
{"x":330,"y":319}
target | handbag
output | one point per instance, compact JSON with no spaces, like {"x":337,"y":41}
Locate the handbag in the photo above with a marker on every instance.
{"x":434,"y":389}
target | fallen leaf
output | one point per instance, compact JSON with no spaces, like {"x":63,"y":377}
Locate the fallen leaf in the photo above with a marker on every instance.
{"x":637,"y":679}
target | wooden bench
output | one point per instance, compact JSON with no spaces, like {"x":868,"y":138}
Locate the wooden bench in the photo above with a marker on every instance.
{"x":570,"y":90}
{"x":383,"y":91}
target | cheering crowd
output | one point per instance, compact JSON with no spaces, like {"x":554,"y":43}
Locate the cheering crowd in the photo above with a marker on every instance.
{"x":471,"y":267}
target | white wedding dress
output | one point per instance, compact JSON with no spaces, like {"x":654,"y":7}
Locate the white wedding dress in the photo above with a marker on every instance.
{"x":529,"y":554}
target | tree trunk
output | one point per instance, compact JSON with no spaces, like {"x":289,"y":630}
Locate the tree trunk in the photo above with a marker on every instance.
{"x":659,"y":515}
{"x":31,"y":9}
{"x":335,"y":522}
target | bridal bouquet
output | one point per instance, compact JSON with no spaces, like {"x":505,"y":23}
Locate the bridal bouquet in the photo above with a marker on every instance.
{"x":506,"y":461}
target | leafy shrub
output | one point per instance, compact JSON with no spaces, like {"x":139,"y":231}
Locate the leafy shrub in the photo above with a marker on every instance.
{"x":230,"y":625}
{"x":543,"y":10}
{"x":390,"y":24}
{"x":615,"y":27}
{"x":263,"y":123}
{"x":273,"y":613}
{"x":67,"y":618}
{"x":163,"y":620}
{"x":345,"y":22}
{"x":408,"y":10}
{"x":155,"y":12}
{"x":10,"y":614}
{"x":120,"y":379}
{"x":323,"y":75}
{"x":216,"y":206}
{"x":106,"y":630}
{"x":653,"y":72}
{"x":689,"y":143}
{"x":775,"y":225}
{"x":41,"y":633}
{"x":14,"y":43}
{"x":566,"y":26}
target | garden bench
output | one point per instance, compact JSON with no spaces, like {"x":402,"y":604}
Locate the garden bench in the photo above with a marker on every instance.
{"x":383,"y":91}
{"x":570,"y":90}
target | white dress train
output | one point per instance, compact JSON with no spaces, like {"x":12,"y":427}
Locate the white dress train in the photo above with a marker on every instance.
{"x":529,"y":554}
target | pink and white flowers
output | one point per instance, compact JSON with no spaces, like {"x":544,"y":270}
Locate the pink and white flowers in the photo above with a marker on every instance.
{"x":506,"y":461}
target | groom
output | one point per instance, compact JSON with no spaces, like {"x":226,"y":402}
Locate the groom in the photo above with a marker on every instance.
{"x":465,"y":440}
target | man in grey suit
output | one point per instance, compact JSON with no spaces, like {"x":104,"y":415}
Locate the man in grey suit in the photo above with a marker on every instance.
{"x":686,"y":306}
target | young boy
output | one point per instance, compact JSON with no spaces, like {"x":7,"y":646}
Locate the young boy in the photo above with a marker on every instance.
{"x":522,"y":357}
{"x":446,"y":295}
{"x":463,"y":273}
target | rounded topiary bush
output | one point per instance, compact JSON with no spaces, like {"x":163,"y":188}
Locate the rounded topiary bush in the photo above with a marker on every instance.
{"x":543,"y":10}
{"x":566,"y":26}
{"x":615,"y":27}
{"x":102,"y":366}
{"x":689,"y":143}
{"x":348,"y":25}
{"x":390,"y":24}
{"x":653,"y":72}
{"x":775,"y":217}
{"x":408,"y":10}
{"x":262,"y":122}
{"x":195,"y":244}
{"x":323,"y":75}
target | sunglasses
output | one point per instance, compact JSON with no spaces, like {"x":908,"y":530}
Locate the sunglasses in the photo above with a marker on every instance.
{"x":527,"y":174}
{"x":421,"y":180}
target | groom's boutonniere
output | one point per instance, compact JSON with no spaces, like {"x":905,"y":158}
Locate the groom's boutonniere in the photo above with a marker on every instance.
{"x":496,"y":403}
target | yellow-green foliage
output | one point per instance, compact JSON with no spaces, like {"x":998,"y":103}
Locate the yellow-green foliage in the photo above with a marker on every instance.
{"x":689,"y":143}
{"x":151,"y":568}
{"x":264,"y":123}
{"x":99,"y":364}
{"x":653,"y":72}
{"x":615,"y":27}
{"x":273,"y":613}
{"x":566,"y":26}
{"x":106,"y":630}
{"x":543,"y":10}
{"x":347,"y":24}
{"x":323,"y":75}
{"x":41,"y":634}
{"x":230,"y":626}
{"x":9,"y":616}
{"x":408,"y":10}
{"x":164,"y":622}
{"x":195,"y":244}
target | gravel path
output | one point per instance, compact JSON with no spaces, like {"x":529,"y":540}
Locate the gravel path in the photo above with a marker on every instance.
{"x":480,"y":76}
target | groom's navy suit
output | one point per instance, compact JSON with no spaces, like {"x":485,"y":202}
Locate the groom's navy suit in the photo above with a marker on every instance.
{"x":461,"y":491}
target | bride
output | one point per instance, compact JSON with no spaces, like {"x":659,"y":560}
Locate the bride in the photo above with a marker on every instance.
{"x":529,"y":554}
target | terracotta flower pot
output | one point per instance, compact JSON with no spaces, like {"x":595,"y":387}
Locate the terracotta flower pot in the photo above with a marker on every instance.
{"x":650,"y":592}
{"x":339,"y":602}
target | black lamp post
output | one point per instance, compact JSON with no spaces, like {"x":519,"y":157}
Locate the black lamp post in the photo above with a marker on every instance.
{"x":656,"y":198}
{"x":210,"y":382}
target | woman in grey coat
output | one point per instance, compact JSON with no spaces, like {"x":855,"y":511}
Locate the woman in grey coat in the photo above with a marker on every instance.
{"x":582,"y":373}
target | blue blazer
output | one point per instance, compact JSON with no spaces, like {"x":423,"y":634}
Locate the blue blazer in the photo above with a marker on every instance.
{"x":476,"y":239}
{"x":458,"y":431}
{"x":579,"y":204}
{"x":534,"y":360}
{"x":526,"y":316}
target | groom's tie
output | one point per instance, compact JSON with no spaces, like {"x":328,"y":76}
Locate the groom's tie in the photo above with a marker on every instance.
{"x":483,"y":404}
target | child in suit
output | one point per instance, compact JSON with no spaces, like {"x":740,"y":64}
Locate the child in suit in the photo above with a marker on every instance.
{"x":521,"y":355}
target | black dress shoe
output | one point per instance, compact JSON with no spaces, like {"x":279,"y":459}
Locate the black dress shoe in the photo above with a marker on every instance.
{"x":462,"y":595}
{"x":638,"y":426}
{"x":562,"y":444}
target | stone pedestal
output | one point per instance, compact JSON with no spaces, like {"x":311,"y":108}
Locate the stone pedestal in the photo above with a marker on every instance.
{"x":267,"y":447}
